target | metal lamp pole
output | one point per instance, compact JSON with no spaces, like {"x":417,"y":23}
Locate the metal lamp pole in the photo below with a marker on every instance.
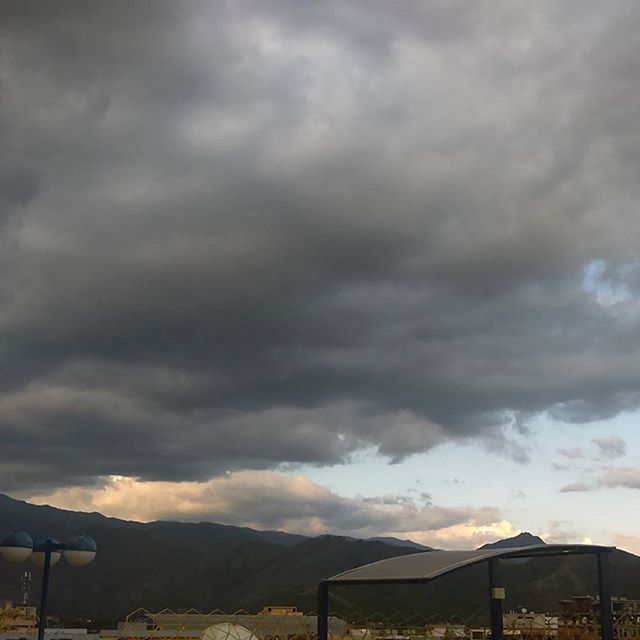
{"x":47,"y":547}
{"x":78,"y":550}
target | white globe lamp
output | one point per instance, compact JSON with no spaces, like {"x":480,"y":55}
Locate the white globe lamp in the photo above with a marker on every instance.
{"x":80,"y":550}
{"x":17,"y":546}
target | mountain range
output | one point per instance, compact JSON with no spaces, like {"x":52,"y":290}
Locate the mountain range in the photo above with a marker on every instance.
{"x":213,"y":566}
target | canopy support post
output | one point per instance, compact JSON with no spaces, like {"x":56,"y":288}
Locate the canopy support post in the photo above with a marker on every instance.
{"x":496,"y":596}
{"x":323,"y":610}
{"x":604,"y":589}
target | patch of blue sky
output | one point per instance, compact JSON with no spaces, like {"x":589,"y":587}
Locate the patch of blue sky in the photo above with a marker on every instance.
{"x":468,"y":473}
{"x":607,"y":284}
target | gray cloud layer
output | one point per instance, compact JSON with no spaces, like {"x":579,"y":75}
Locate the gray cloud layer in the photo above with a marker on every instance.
{"x":236,"y":234}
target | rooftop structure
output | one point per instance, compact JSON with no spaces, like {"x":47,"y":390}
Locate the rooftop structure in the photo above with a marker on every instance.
{"x":272,"y":622}
{"x":581,"y":610}
{"x":12,"y":618}
{"x":426,"y":566}
{"x":530,"y":624}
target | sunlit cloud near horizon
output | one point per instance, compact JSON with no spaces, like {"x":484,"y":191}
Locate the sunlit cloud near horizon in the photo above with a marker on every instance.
{"x":264,"y":499}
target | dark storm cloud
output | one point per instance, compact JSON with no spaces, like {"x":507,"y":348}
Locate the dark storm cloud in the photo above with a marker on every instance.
{"x":240,"y":234}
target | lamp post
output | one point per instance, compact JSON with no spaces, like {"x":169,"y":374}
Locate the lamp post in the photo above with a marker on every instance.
{"x":78,"y":551}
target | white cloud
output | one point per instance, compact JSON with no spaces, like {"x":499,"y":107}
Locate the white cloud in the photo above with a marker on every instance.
{"x":561,"y":532}
{"x":571,"y":453}
{"x":611,"y":446}
{"x":626,"y":542}
{"x":468,"y":535}
{"x":628,"y":477}
{"x":269,"y":500}
{"x":575,"y":487}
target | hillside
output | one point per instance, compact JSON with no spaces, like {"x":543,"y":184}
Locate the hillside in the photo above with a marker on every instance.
{"x":210,"y":566}
{"x":176,"y":564}
{"x":43,"y":520}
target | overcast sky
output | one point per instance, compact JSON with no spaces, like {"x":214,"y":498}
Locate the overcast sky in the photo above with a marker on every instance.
{"x":352,"y":267}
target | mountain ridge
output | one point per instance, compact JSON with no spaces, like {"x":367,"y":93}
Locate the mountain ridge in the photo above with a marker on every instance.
{"x":207,"y":566}
{"x":11,"y":507}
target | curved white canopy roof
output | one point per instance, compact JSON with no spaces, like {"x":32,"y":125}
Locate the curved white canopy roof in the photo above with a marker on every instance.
{"x":427,"y":565}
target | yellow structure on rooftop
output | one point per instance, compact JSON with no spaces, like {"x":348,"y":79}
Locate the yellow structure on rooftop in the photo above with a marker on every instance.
{"x":16,"y":618}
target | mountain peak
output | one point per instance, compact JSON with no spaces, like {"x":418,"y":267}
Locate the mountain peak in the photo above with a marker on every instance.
{"x":524,"y":539}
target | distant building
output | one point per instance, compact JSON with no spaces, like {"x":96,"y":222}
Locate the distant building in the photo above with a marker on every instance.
{"x":578,"y":618}
{"x":21,"y":623}
{"x":272,"y":623}
{"x":584,"y":612}
{"x":16,"y":618}
{"x":528,"y":624}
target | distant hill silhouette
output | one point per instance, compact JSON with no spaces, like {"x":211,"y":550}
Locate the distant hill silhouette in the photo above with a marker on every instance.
{"x":211,"y":566}
{"x":178,"y":564}
{"x":395,"y":542}
{"x":524,"y":539}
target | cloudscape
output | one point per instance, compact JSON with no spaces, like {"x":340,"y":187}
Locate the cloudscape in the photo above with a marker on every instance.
{"x":348,"y":267}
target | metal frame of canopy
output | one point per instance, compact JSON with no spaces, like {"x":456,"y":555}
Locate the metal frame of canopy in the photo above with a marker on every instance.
{"x":420,"y":568}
